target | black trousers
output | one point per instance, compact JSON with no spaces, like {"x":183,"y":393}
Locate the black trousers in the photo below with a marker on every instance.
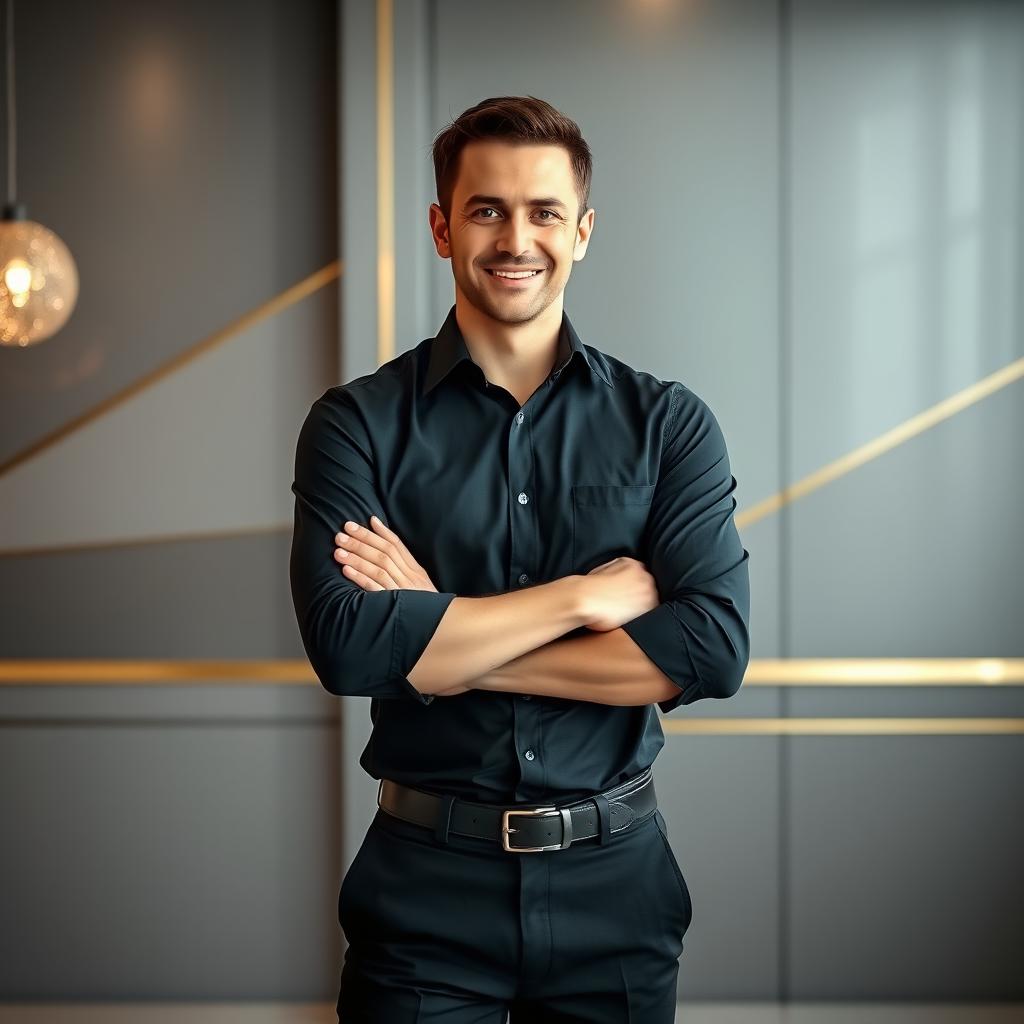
{"x":463,"y":932}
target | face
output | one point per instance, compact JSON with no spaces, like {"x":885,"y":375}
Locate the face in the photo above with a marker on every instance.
{"x":506,"y":231}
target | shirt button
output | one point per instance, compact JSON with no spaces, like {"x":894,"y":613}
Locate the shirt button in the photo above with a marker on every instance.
{"x":524,"y":579}
{"x":525,"y":696}
{"x":528,"y":755}
{"x":523,"y":499}
{"x":519,"y":417}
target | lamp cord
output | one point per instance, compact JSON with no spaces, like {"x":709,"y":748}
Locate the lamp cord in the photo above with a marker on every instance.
{"x":11,"y":113}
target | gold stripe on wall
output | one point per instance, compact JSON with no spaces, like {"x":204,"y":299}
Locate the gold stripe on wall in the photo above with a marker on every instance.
{"x":884,"y":672}
{"x":264,"y":311}
{"x":886,"y":442}
{"x":73,"y":547}
{"x":130,"y":672}
{"x":872,"y":450}
{"x":760,"y":672}
{"x":385,"y":186}
{"x":842,"y":726}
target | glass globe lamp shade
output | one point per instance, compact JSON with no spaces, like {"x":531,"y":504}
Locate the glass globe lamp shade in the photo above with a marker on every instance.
{"x":38,"y":283}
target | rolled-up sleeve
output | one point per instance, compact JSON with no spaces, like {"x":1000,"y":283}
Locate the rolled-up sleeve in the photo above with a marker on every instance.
{"x":699,"y":634}
{"x":359,"y":642}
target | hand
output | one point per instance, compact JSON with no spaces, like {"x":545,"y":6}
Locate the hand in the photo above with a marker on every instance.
{"x":377,"y":559}
{"x":618,"y":591}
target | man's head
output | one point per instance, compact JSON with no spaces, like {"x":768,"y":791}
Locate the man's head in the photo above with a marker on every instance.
{"x":491,"y":165}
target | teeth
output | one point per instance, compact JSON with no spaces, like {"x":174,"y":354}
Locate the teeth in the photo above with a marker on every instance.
{"x":515,"y":276}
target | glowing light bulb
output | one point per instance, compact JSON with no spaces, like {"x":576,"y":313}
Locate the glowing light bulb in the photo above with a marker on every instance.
{"x":17,"y":275}
{"x":38,"y":282}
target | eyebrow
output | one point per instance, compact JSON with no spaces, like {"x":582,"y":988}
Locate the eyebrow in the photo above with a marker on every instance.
{"x":498,"y":201}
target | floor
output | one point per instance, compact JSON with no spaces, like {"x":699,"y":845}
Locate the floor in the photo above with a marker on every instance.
{"x":690,"y":1013}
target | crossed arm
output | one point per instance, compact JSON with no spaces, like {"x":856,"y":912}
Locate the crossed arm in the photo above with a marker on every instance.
{"x":400,"y":638}
{"x":510,"y":643}
{"x":603,"y":667}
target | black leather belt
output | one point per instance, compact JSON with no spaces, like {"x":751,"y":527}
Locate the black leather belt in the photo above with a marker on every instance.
{"x":535,"y":828}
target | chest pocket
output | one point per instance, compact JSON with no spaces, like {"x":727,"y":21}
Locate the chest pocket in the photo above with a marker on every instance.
{"x":607,"y":521}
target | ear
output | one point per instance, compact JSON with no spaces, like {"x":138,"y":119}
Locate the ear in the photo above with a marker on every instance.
{"x":439,"y":232}
{"x":583,"y":232}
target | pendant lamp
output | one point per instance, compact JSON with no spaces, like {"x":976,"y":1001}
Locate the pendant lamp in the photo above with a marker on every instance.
{"x":38,"y":276}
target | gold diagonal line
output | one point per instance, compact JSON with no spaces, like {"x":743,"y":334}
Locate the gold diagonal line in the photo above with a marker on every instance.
{"x":760,"y":672}
{"x":385,"y":333}
{"x":886,"y":442}
{"x":270,"y":308}
{"x":76,"y":547}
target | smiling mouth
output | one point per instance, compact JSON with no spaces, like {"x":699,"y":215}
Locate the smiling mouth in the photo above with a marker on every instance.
{"x":519,"y":275}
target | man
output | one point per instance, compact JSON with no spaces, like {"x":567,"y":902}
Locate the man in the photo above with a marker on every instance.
{"x":515,"y":545}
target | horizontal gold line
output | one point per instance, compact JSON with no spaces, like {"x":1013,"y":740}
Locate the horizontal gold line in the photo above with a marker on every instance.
{"x":270,"y":308}
{"x":842,"y":726}
{"x":91,"y":673}
{"x":885,"y":442}
{"x":130,"y":672}
{"x":760,"y":671}
{"x":884,"y":671}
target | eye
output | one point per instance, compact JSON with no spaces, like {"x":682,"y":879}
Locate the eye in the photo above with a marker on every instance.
{"x":484,"y":209}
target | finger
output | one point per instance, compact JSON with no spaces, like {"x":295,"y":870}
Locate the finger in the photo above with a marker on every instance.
{"x":366,"y":542}
{"x":368,"y":568}
{"x":379,"y":529}
{"x":371,"y":562}
{"x":389,"y":535}
{"x":362,"y":579}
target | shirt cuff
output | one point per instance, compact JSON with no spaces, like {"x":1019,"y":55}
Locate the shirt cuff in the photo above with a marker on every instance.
{"x":659,"y":634}
{"x":418,"y":613}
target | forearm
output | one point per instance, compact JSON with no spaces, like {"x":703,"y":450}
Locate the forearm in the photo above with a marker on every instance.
{"x":479,"y":634}
{"x":602,"y":667}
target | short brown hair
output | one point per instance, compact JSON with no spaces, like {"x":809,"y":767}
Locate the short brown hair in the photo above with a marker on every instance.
{"x":523,"y":119}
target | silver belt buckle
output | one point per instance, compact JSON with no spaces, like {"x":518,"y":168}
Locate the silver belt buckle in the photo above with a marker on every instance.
{"x":536,"y":812}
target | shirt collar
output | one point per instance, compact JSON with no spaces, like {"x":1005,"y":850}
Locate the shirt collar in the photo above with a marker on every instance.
{"x":448,"y":349}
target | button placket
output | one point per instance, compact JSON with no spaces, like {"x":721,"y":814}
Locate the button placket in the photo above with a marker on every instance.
{"x":523,"y":559}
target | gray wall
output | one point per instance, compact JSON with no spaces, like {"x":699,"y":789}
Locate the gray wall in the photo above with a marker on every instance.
{"x":810,"y":214}
{"x":177,"y":841}
{"x":903,"y":270}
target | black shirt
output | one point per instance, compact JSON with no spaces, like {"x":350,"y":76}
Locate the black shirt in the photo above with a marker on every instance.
{"x":602,"y":460}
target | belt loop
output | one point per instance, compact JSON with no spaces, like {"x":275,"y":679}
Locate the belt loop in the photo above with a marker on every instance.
{"x":604,"y":818}
{"x":444,"y":817}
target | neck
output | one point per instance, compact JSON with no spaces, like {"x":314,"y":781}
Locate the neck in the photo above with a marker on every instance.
{"x":515,"y":356}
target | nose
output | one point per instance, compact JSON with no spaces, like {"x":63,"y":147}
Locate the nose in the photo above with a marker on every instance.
{"x":515,"y":236}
